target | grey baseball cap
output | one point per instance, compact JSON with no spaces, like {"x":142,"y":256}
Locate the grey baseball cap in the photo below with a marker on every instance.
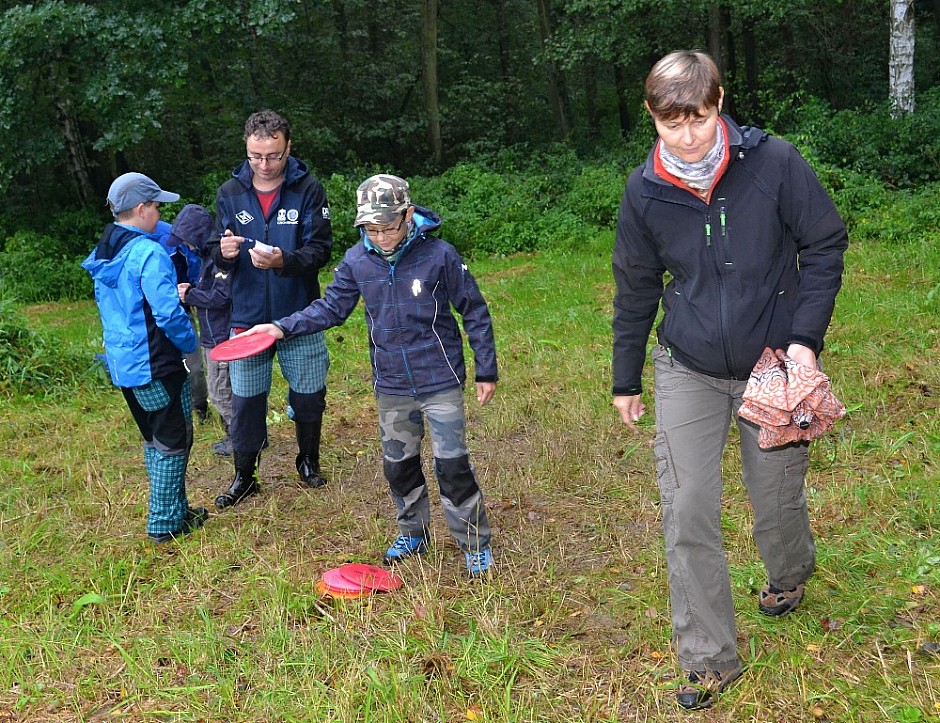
{"x":132,"y":188}
{"x":381,"y":199}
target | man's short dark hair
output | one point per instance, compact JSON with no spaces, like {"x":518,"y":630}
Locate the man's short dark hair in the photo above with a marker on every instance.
{"x":267,"y":124}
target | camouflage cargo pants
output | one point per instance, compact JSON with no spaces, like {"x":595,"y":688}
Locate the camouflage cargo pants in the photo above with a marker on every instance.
{"x":401,"y":424}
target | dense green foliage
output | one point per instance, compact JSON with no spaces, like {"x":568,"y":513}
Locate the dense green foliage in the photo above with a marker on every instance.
{"x":539,"y":104}
{"x":91,"y":89}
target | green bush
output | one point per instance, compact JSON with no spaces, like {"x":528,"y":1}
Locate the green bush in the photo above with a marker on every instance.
{"x":901,"y":151}
{"x":595,"y":194}
{"x":30,"y":363}
{"x":35,"y":267}
{"x":78,"y":231}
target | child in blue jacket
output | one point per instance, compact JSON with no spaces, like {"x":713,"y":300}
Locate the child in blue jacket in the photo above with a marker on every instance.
{"x":146,"y":334}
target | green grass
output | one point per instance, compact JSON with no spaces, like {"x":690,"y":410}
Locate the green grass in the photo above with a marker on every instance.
{"x":98,"y":624}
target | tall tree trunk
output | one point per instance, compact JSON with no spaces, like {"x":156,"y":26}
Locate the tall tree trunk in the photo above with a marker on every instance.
{"x":751,"y":77}
{"x":76,"y":161}
{"x":731,"y":64}
{"x":620,"y":83}
{"x":901,"y":62}
{"x":557,"y":94}
{"x":429,"y":62}
{"x":716,"y":37}
{"x":590,"y":100}
{"x":502,"y":39}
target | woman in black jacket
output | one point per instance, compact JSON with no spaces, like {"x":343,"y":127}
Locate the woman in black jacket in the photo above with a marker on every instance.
{"x":753,"y":246}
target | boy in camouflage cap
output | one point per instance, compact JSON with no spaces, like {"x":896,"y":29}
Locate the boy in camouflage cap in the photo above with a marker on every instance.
{"x":409,"y":280}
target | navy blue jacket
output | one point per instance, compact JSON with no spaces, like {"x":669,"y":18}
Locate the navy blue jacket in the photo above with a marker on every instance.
{"x":299,"y":224}
{"x":211,"y":296}
{"x":757,"y":266}
{"x":414,"y":339}
{"x":146,"y":330}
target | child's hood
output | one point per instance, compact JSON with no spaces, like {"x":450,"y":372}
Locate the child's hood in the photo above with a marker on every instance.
{"x":193,"y":225}
{"x":425,"y":220}
{"x":106,"y":261}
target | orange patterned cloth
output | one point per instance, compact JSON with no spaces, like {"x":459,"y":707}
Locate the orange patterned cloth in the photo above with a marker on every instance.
{"x":790,"y":402}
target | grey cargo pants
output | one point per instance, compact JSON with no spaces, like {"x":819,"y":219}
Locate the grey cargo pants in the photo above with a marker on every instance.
{"x":401,"y":423}
{"x":693,"y":416}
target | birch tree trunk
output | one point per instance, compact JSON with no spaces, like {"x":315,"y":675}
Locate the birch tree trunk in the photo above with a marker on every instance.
{"x":901,"y":62}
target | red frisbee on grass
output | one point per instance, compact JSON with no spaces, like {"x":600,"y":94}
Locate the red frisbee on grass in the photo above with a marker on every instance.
{"x":357,"y":580}
{"x":370,"y":576}
{"x":334,"y":580}
{"x":241,"y":347}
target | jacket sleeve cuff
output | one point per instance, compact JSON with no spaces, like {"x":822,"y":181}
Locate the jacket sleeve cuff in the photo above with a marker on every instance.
{"x":283,"y":329}
{"x":806,"y":341}
{"x":630,"y":391}
{"x":486,"y":378}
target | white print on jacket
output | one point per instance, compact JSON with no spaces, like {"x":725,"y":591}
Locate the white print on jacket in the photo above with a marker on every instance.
{"x":416,"y":287}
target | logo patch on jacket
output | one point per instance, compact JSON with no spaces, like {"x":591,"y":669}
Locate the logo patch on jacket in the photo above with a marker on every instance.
{"x":243,"y":217}
{"x":416,"y":287}
{"x":326,"y":213}
{"x":287,"y":216}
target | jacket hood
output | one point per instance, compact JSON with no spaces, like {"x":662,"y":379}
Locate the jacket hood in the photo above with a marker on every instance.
{"x":424,"y":221}
{"x":296,"y":170}
{"x":193,"y":225}
{"x":107,"y":259}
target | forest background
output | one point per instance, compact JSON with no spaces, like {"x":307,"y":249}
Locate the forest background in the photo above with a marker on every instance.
{"x":518,"y":121}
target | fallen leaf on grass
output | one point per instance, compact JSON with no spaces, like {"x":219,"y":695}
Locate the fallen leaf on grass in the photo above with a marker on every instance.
{"x":830,"y":624}
{"x":813,"y":648}
{"x":651,"y":613}
{"x":475,"y":712}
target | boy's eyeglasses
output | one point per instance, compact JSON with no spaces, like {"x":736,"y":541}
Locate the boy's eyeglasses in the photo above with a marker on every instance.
{"x":374,"y":233}
{"x":273,"y":158}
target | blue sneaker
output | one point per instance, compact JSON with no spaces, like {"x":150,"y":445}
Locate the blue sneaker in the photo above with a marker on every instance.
{"x":405,"y":546}
{"x":479,"y":562}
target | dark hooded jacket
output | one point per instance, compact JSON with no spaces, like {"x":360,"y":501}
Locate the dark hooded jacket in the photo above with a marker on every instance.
{"x":211,"y":295}
{"x":757,"y":266}
{"x":414,"y":339}
{"x":298,"y":223}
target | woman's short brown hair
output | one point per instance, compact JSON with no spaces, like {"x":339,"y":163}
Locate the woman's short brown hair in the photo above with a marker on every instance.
{"x":682,"y":84}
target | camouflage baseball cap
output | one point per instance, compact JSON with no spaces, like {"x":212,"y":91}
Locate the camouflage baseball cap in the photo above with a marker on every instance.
{"x":381,"y":199}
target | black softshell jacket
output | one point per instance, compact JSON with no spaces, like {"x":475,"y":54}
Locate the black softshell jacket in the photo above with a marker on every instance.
{"x":759,"y":265}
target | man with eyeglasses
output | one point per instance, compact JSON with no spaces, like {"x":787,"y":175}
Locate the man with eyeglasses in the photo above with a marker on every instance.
{"x":275,"y":236}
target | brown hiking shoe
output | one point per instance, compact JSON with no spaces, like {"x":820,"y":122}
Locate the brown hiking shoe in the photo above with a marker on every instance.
{"x":703,"y":687}
{"x":776,"y":602}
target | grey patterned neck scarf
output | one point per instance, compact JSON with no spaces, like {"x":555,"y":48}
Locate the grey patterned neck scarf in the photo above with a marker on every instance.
{"x":701,"y":174}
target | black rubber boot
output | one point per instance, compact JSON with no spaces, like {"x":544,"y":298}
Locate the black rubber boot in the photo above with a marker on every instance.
{"x":245,"y":482}
{"x":308,"y":461}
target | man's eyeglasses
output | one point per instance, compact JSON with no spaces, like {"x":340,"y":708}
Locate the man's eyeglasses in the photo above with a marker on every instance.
{"x":374,"y":233}
{"x":273,"y":158}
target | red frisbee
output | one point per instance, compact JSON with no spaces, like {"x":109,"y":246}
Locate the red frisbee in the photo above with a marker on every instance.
{"x":370,"y":577}
{"x":335,"y":582}
{"x":241,"y":347}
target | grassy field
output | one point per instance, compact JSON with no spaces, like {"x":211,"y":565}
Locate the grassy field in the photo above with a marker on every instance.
{"x":99,"y":624}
